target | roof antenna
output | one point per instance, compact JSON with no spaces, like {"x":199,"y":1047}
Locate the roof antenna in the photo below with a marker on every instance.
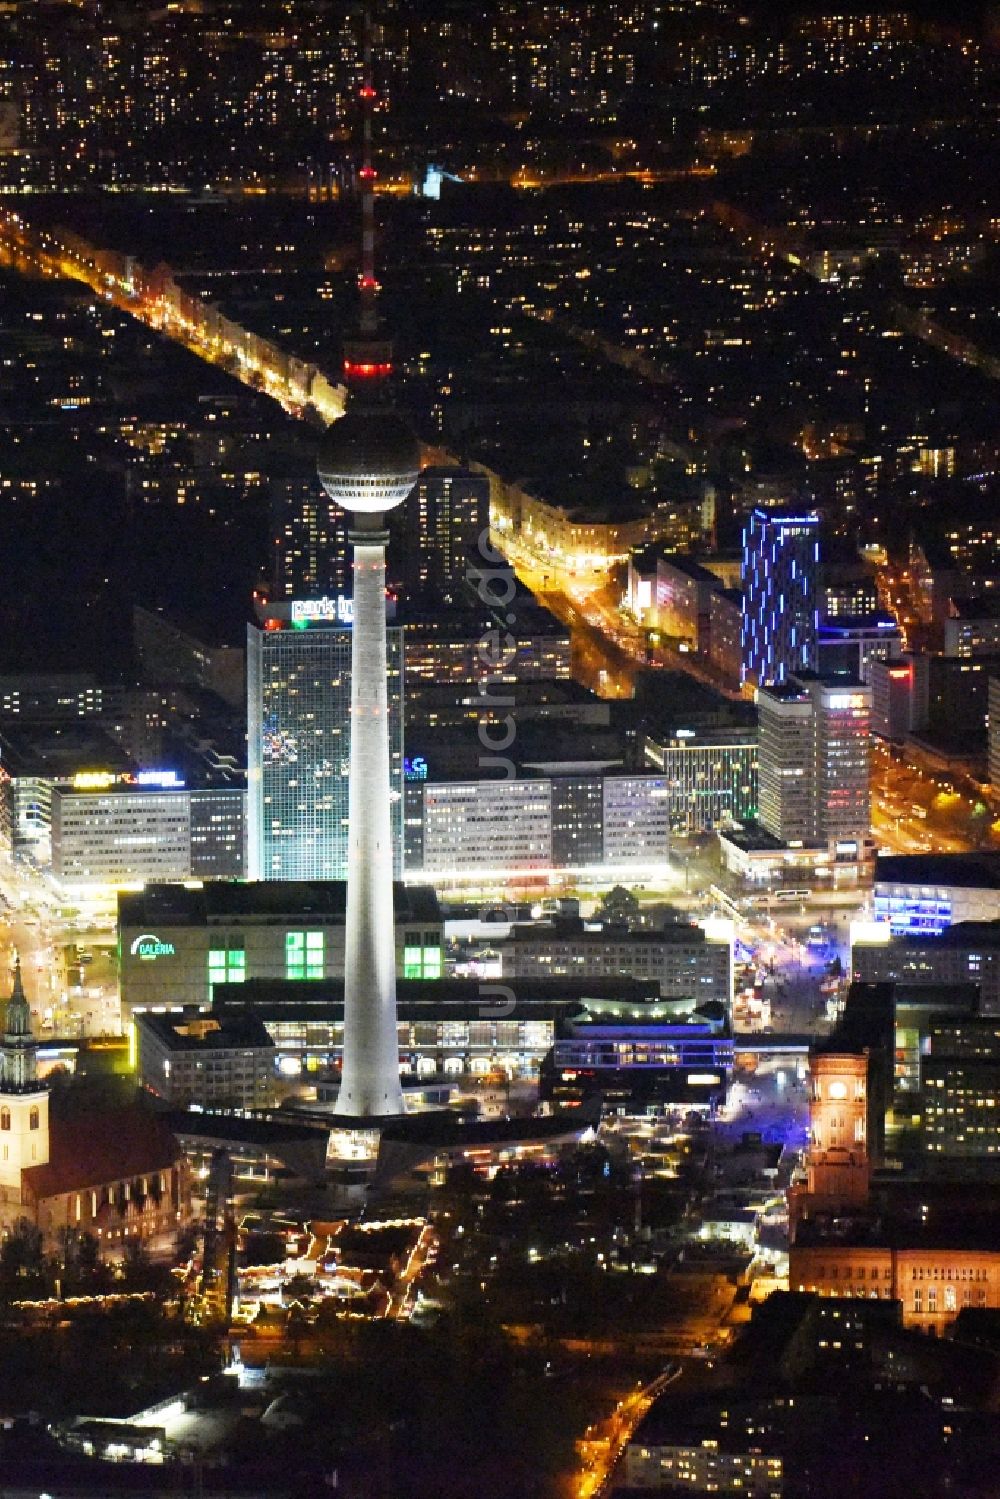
{"x":367,"y":358}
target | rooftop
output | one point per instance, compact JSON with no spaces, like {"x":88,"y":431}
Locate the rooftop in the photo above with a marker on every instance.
{"x":62,"y":752}
{"x":752,"y":838}
{"x":105,"y":1145}
{"x":263,"y":900}
{"x":975,"y":871}
{"x":436,"y":999}
{"x":846,"y":625}
{"x":691,"y":568}
{"x":201,"y":1034}
{"x":572,"y":929}
{"x":961,"y":934}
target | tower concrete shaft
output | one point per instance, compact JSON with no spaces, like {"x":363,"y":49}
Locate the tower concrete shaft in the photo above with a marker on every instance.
{"x":370,"y":1085}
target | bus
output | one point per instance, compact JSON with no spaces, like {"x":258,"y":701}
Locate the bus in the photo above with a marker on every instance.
{"x":788,"y":897}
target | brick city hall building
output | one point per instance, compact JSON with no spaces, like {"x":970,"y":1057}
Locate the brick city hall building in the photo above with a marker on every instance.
{"x":911,"y":1243}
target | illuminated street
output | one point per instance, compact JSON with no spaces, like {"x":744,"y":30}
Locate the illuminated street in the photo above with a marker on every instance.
{"x":43,"y":253}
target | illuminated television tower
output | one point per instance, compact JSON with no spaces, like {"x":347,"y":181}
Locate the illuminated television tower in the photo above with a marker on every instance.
{"x":368,"y":463}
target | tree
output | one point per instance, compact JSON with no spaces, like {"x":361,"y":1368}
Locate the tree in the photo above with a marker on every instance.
{"x":620,"y":907}
{"x":22,"y":1263}
{"x":296,"y":1327}
{"x":138,"y":1271}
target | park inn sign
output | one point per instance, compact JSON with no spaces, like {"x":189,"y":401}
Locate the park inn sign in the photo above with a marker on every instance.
{"x":149,"y":947}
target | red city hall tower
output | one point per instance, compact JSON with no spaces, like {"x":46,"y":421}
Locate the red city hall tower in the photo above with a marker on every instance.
{"x":838,"y":1166}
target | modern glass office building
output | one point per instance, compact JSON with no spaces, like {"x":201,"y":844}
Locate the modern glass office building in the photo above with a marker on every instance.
{"x":298,"y":718}
{"x":711,"y":777}
{"x":780,"y":577}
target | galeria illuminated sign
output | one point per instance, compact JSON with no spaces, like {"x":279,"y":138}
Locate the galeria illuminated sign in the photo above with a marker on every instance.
{"x":148,"y":947}
{"x":327,"y":610}
{"x":415,"y":768}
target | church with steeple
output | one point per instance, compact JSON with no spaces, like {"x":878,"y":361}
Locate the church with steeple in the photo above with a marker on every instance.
{"x":24,"y":1101}
{"x":114,"y":1172}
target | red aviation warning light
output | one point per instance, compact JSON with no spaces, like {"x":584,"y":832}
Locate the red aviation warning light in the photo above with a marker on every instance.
{"x":365,"y":369}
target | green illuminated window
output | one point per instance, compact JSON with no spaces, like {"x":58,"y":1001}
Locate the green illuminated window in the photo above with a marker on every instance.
{"x":304,"y":955}
{"x":421,"y":962}
{"x":412,"y":965}
{"x":226,"y":967}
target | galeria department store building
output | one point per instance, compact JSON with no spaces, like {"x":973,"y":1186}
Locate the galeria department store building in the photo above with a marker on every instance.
{"x":178,"y":945}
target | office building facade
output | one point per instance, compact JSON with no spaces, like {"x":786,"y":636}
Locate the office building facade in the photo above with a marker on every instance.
{"x":780,"y":579}
{"x":814,"y":772}
{"x":132,"y":833}
{"x":299,"y":739}
{"x":712,"y":777}
{"x":682,"y":959}
{"x":854,"y":643}
{"x":900,"y":696}
{"x":787,"y":783}
{"x":961,"y":1089}
{"x":968,"y":953}
{"x":973,"y":628}
{"x":308,"y":539}
{"x":462,"y":646}
{"x":440,"y":528}
{"x":958,"y":698}
{"x":198,"y":1059}
{"x":586,"y":821}
{"x":683,"y":599}
{"x":57,"y":697}
{"x":725,"y":633}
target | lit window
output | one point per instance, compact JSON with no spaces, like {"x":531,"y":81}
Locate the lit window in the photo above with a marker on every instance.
{"x":226,"y":967}
{"x":412,"y":964}
{"x":304,"y":955}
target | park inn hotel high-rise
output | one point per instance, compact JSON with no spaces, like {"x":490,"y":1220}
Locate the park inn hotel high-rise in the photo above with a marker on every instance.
{"x":299,"y":741}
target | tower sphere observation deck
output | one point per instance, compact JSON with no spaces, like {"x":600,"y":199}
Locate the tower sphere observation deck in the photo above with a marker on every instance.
{"x":368,"y":460}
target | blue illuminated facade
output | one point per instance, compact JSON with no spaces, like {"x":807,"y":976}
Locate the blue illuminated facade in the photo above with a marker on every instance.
{"x":653,"y":1062}
{"x":780,"y":576}
{"x":924,"y":915}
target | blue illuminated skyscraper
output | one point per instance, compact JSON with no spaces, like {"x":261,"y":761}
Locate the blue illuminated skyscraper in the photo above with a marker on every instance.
{"x":780,"y":577}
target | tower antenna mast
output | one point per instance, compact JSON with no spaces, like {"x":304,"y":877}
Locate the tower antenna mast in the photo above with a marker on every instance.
{"x":368,"y":284}
{"x":368,"y":354}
